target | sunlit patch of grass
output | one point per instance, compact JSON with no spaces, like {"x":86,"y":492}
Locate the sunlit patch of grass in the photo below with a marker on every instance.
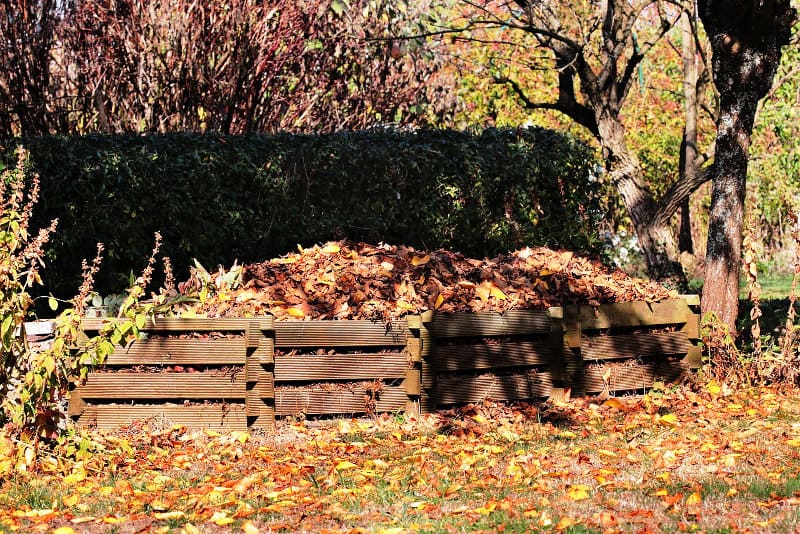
{"x":766,"y":489}
{"x":33,"y":494}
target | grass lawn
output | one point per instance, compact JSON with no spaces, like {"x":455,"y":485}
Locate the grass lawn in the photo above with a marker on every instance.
{"x":699,"y":459}
{"x":777,"y":286}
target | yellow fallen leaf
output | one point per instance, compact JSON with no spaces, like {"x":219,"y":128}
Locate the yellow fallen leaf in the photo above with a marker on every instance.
{"x":564,"y":523}
{"x":416,"y":261}
{"x":63,"y":530}
{"x":221,"y":518}
{"x":249,"y":528}
{"x":439,"y":302}
{"x":497,"y":293}
{"x":694,"y":499}
{"x":166,"y":516}
{"x":295,"y":312}
{"x":713,"y":387}
{"x":240,"y":436}
{"x":578,"y":492}
{"x":341,"y":466}
{"x":331,"y":248}
{"x":403,"y":305}
{"x":77,"y":475}
{"x":670,"y":419}
{"x":487,"y":509}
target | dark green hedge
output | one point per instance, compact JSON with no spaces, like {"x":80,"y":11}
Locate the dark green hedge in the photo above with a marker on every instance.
{"x":223,"y":198}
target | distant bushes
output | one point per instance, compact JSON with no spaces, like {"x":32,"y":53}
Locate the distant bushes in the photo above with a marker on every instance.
{"x":222,"y":198}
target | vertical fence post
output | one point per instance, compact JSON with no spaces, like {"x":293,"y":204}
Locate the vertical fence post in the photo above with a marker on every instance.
{"x":420,"y":345}
{"x":560,"y":389}
{"x":573,"y":359}
{"x":694,"y":356}
{"x":260,"y":376}
{"x":413,"y":380}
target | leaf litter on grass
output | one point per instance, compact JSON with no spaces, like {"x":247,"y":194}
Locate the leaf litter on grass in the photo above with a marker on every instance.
{"x":692,"y":459}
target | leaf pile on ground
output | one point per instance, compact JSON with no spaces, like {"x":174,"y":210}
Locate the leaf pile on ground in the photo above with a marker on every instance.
{"x":674,"y":460}
{"x":343,"y":280}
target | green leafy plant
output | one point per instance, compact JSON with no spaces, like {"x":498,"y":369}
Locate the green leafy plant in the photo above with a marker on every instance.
{"x":20,"y":261}
{"x":33,"y":383}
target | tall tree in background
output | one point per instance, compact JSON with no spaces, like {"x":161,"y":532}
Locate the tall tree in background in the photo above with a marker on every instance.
{"x":747,"y":38}
{"x":595,"y":50}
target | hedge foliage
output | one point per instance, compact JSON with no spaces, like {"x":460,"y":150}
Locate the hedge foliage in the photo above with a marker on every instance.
{"x":248,"y":198}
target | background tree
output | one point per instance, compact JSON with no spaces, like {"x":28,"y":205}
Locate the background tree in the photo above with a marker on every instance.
{"x":595,"y":50}
{"x":241,"y":66}
{"x":747,"y":39}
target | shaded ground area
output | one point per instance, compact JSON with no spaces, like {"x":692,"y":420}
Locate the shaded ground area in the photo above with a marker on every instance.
{"x":700,"y":458}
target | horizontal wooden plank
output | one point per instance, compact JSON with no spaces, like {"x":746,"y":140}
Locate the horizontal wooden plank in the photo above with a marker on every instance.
{"x":630,"y":376}
{"x":341,"y":366}
{"x":205,"y":385}
{"x":494,"y":355}
{"x":356,"y":333}
{"x":691,"y":300}
{"x":213,"y":416}
{"x":633,"y":314}
{"x":509,"y":387}
{"x":510,"y":323}
{"x":196,"y":352}
{"x":316,"y":401}
{"x":200,"y":324}
{"x":634,"y":345}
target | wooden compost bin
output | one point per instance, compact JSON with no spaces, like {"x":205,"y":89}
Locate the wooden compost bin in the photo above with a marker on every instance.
{"x":208,"y":373}
{"x":240,"y":373}
{"x":344,"y":367}
{"x":628,"y":346}
{"x":528,"y":354}
{"x":471,"y":357}
{"x":248,"y":371}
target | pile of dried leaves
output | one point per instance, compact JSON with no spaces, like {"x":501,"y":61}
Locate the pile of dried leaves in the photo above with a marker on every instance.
{"x":343,"y":280}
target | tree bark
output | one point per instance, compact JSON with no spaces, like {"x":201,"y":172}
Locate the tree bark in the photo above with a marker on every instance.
{"x":656,"y":239}
{"x":746,"y":39}
{"x":689,"y":151}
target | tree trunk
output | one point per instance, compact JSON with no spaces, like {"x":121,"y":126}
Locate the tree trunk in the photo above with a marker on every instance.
{"x":724,"y":249}
{"x":746,"y":38}
{"x":656,"y":239}
{"x":689,"y":151}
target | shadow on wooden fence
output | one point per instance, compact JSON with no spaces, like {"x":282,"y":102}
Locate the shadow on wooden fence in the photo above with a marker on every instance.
{"x":242,"y":373}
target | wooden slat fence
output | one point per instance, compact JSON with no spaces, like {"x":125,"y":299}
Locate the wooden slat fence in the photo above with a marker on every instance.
{"x":242,"y":373}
